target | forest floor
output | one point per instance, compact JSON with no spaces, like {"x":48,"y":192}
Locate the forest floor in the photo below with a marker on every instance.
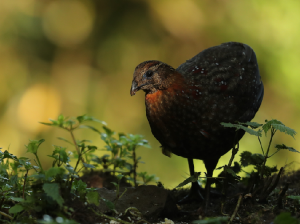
{"x":154,"y":204}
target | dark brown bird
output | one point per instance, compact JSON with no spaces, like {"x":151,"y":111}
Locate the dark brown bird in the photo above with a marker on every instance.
{"x":185,"y":106}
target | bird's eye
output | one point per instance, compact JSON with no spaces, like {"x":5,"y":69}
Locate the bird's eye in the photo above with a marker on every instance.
{"x":148,"y":74}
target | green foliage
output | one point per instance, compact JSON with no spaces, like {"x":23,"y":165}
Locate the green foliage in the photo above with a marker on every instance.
{"x":214,"y":220}
{"x":52,"y":190}
{"x":244,"y":127}
{"x":93,"y":197}
{"x":259,"y":179}
{"x":297,"y":198}
{"x":286,"y":218}
{"x":283,"y":146}
{"x":189,"y":180}
{"x":49,"y":190}
{"x":146,"y":178}
{"x":259,"y":160}
{"x":278,"y":125}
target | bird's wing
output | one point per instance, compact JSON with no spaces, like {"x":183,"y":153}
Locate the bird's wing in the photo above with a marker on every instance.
{"x":227,"y":73}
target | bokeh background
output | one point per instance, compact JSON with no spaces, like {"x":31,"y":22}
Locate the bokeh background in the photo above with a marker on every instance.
{"x":77,"y":57}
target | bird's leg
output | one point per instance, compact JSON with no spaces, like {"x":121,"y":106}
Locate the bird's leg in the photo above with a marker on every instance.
{"x":207,"y":189}
{"x":210,"y":166}
{"x":195,"y":191}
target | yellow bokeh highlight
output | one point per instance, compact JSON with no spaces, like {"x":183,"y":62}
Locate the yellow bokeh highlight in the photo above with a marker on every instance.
{"x":186,"y":24}
{"x":67,"y":23}
{"x":39,"y":103}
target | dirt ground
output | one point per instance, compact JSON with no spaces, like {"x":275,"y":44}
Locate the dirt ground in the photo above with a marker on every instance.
{"x":154,"y":204}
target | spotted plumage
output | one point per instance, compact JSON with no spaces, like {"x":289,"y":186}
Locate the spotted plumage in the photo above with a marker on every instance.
{"x":185,"y":106}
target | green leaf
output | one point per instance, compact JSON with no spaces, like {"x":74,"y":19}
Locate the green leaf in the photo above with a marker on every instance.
{"x":240,"y":126}
{"x":92,"y":147}
{"x":253,"y":125}
{"x":49,"y":124}
{"x":230,"y":171}
{"x":60,"y":154}
{"x":120,"y":176}
{"x":257,"y":159}
{"x":90,"y":127}
{"x":52,"y":190}
{"x":15,"y":209}
{"x":245,"y":158}
{"x":285,"y":218}
{"x":53,"y":171}
{"x":69,"y":123}
{"x":25,"y":163}
{"x":63,"y":139}
{"x":70,"y":168}
{"x":278,"y":125}
{"x":189,"y":180}
{"x":93,"y":198}
{"x":79,"y":186}
{"x":34,"y":145}
{"x":61,"y":118}
{"x":86,"y":165}
{"x":114,"y":183}
{"x":285,"y":129}
{"x":297,"y":197}
{"x":214,"y":220}
{"x":236,"y":167}
{"x":83,"y":118}
{"x":108,"y":131}
{"x":267,"y":126}
{"x":270,"y":170}
{"x":109,"y":204}
{"x":221,"y":167}
{"x":283,"y":146}
{"x":7,"y":155}
{"x":16,"y":199}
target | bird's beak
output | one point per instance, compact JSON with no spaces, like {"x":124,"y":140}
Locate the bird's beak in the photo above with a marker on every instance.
{"x":134,"y":88}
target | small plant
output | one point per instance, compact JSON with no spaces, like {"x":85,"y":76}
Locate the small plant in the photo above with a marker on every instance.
{"x":259,"y":160}
{"x":123,"y":149}
{"x":29,"y":191}
{"x":260,"y":182}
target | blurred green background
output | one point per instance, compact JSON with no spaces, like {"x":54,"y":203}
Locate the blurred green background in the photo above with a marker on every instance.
{"x":77,"y":57}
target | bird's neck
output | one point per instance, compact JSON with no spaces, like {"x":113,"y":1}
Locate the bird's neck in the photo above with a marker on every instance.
{"x":176,"y":84}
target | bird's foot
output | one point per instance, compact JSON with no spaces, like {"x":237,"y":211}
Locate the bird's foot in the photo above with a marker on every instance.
{"x":195,"y":194}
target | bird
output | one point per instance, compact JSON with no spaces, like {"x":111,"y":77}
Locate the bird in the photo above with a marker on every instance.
{"x":185,"y":106}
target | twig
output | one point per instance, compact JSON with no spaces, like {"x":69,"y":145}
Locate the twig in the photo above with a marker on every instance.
{"x":236,"y":208}
{"x":268,"y":190}
{"x":266,"y":185}
{"x":262,"y":149}
{"x":6,"y":215}
{"x":222,"y":207}
{"x":225,"y":183}
{"x":25,"y":177}
{"x":109,"y":217}
{"x":275,"y":182}
{"x":76,"y":146}
{"x":267,"y":153}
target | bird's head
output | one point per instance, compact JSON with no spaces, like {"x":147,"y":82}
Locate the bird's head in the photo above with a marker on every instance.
{"x":151,"y":76}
